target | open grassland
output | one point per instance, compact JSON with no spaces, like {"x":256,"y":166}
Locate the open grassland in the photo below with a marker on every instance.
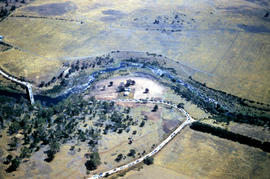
{"x":67,"y":164}
{"x":228,"y":39}
{"x":33,"y":68}
{"x":197,"y":155}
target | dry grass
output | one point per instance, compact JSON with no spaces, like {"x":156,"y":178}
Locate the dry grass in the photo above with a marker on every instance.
{"x":31,"y":67}
{"x":238,"y":60}
{"x":64,"y":165}
{"x":152,"y":133}
{"x":214,"y":43}
{"x":197,"y":155}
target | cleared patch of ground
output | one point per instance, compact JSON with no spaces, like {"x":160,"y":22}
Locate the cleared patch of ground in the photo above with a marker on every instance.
{"x":137,"y":91}
{"x":169,"y":125}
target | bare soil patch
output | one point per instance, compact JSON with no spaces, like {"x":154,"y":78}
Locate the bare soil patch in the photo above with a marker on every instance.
{"x":169,"y":125}
{"x":52,"y":9}
{"x":103,"y":91}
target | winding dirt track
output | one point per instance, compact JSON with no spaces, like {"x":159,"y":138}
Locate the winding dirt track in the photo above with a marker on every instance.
{"x":188,"y":121}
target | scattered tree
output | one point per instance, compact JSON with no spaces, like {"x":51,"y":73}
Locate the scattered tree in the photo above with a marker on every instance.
{"x":90,"y":165}
{"x":142,"y":124}
{"x":94,"y":161}
{"x":14,"y":165}
{"x":14,"y":143}
{"x":119,"y":158}
{"x":180,"y":105}
{"x":120,"y":88}
{"x":131,"y":153}
{"x":148,"y":161}
{"x":54,"y":148}
{"x":25,"y":152}
{"x":155,"y":108}
{"x":146,"y":91}
{"x":129,"y":83}
{"x":8,"y":159}
{"x":110,"y":84}
{"x":41,"y":84}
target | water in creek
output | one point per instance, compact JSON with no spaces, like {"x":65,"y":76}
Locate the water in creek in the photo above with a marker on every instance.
{"x":46,"y":100}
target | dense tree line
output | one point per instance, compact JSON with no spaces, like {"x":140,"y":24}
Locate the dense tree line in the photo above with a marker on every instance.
{"x":219,"y":112}
{"x":223,"y":133}
{"x":229,"y":97}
